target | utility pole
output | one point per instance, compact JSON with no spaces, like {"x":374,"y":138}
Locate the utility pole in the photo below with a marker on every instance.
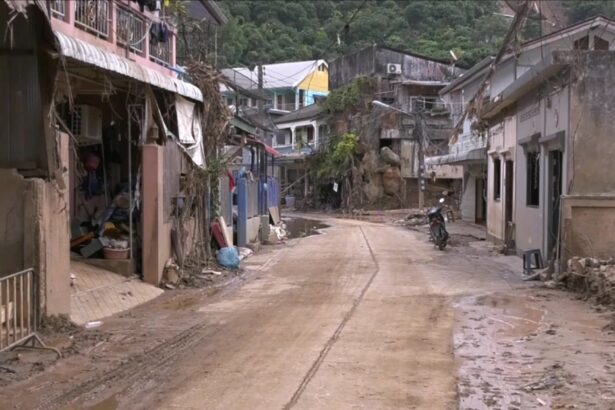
{"x":259,"y":101}
{"x":418,"y":120}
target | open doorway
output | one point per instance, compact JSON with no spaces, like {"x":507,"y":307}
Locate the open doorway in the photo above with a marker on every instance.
{"x":481,"y":200}
{"x":553,"y":202}
{"x":508,"y":204}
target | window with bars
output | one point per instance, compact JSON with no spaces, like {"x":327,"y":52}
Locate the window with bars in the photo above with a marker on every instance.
{"x":130,"y":30}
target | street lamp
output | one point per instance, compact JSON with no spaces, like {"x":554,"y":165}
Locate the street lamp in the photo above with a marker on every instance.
{"x":419,"y":127}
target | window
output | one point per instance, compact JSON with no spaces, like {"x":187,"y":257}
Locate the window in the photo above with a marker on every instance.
{"x":497,"y":179}
{"x":280,"y":99}
{"x":601,"y":44}
{"x":533,"y":178}
{"x":582,"y":43}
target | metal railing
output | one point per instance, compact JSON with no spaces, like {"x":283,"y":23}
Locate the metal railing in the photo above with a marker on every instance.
{"x":58,"y":8}
{"x":160,"y":53}
{"x":18,"y":315}
{"x":130,"y":30}
{"x":93,"y":16}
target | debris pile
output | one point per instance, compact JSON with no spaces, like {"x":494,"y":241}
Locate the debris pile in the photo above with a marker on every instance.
{"x":416,"y":217}
{"x":594,"y":277}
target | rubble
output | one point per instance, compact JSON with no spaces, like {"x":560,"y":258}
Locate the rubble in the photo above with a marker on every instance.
{"x":592,"y":276}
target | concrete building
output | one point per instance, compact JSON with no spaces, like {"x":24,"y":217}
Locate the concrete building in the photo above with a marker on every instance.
{"x":484,"y":151}
{"x":288,"y":86}
{"x":300,"y":134}
{"x":416,"y":123}
{"x":85,"y":88}
{"x":564,"y":193}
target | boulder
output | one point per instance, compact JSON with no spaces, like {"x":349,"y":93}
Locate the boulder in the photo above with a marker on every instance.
{"x":391,"y":181}
{"x":389,"y":157}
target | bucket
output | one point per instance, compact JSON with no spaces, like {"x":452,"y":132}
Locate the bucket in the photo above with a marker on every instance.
{"x":290,"y":201}
{"x":112,"y":253}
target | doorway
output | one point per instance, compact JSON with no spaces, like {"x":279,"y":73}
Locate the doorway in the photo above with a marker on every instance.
{"x":508,"y":204}
{"x":553,"y":201}
{"x":481,"y":200}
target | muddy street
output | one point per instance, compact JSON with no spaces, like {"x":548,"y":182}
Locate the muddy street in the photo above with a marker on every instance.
{"x":362,"y":316}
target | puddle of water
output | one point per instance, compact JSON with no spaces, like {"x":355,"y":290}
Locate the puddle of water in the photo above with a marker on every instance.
{"x":300,"y":227}
{"x":516,"y":317}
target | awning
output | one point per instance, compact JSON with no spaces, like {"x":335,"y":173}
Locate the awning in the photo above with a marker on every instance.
{"x":87,"y":53}
{"x":458,"y":158}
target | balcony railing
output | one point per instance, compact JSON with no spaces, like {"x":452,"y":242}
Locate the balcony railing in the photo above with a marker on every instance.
{"x":160,"y":53}
{"x":117,"y":21}
{"x":93,"y":16}
{"x":58,"y":8}
{"x":130,"y":30}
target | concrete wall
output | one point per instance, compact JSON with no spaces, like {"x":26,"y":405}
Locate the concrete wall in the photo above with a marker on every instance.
{"x":589,"y":223}
{"x":589,"y":209}
{"x":254,"y":225}
{"x":34,"y":234}
{"x":502,"y":142}
{"x":528,"y":219}
{"x":592,"y":112}
{"x":156,"y":233}
{"x":468,"y":196}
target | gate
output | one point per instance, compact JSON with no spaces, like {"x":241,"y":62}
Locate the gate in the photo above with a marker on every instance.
{"x":18,"y":310}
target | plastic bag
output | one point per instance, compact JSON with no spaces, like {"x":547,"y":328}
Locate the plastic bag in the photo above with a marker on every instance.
{"x":228,"y":257}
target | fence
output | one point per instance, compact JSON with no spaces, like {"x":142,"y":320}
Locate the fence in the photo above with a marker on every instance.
{"x":18,"y":303}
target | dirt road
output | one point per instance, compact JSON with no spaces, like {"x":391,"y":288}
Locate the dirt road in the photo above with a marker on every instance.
{"x":364,"y":316}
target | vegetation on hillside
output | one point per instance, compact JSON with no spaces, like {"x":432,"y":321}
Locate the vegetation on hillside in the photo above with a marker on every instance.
{"x":279,"y":30}
{"x":283,"y":30}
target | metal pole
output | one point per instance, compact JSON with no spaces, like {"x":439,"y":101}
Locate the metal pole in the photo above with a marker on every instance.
{"x":421,"y":179}
{"x":130,"y":245}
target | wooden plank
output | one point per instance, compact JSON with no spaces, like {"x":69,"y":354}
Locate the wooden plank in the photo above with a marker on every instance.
{"x":274,"y":211}
{"x":227,"y":235}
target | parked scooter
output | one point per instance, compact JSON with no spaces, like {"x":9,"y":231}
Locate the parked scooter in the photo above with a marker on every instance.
{"x":437,"y":225}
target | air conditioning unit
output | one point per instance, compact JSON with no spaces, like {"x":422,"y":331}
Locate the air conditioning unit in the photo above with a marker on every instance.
{"x":393,"y":68}
{"x":86,"y":125}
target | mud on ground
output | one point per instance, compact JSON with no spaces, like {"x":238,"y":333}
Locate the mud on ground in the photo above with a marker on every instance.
{"x":58,"y":332}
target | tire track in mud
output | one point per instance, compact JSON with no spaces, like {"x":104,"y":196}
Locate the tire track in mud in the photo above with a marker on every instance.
{"x":129,"y":371}
{"x":335,"y":337}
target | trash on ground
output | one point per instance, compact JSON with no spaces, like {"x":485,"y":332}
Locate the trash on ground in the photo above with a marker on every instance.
{"x":228,"y":257}
{"x":244,"y":252}
{"x":93,"y":324}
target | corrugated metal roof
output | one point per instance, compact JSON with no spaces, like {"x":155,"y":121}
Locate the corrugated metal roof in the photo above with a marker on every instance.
{"x":87,"y":53}
{"x":281,"y":75}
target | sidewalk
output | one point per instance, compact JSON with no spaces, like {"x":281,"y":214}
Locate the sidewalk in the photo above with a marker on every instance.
{"x":97,"y":293}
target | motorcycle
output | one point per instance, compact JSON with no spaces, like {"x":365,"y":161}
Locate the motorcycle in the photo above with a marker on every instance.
{"x":437,"y":225}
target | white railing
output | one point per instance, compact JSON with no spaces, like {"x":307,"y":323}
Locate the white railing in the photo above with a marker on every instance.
{"x":58,"y":8}
{"x":130,"y":30}
{"x":93,"y":16}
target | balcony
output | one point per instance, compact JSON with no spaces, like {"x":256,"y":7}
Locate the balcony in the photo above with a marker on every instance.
{"x":130,"y":30}
{"x":116,"y":26}
{"x":93,"y":16}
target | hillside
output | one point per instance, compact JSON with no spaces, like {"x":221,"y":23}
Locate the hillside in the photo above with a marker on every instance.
{"x":282,"y":30}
